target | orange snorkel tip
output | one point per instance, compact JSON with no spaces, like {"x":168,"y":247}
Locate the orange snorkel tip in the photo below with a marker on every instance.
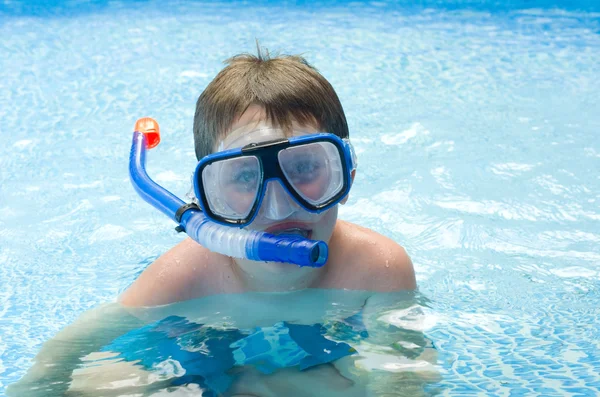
{"x":149,"y":127}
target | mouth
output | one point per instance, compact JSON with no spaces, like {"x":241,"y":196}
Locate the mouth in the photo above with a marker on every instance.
{"x":294,"y":229}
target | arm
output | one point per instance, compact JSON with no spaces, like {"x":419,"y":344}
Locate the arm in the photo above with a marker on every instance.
{"x":58,"y":357}
{"x":396,"y":357}
{"x":397,"y":354}
{"x":164,"y":281}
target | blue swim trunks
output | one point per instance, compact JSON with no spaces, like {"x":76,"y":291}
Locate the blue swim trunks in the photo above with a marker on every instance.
{"x":207,"y":353}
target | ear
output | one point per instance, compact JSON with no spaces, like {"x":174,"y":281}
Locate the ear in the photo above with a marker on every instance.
{"x":352,"y":174}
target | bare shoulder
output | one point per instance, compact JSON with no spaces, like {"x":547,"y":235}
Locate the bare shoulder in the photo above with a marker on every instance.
{"x":376,"y":262}
{"x":186,"y":271}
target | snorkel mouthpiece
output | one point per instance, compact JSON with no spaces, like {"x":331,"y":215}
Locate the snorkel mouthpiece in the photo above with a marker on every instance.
{"x":286,"y":247}
{"x":226,"y":240}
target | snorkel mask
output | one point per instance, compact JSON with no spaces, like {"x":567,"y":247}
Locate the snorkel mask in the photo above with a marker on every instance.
{"x":230,"y":186}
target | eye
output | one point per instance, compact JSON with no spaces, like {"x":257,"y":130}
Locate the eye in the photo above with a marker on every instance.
{"x":244,"y":177}
{"x":305,"y":171}
{"x":306,"y":167}
{"x":240,"y":175}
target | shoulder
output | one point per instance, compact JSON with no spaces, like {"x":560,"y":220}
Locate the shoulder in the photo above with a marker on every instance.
{"x":186,"y":271}
{"x":376,"y":262}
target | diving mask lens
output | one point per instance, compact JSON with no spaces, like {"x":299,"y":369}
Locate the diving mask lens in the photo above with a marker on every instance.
{"x":313,"y":170}
{"x":231,"y":186}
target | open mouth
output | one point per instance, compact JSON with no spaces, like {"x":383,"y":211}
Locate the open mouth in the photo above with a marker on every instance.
{"x":295,"y":231}
{"x":290,"y":231}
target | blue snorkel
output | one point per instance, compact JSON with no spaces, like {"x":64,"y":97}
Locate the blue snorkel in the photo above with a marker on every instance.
{"x":226,"y":240}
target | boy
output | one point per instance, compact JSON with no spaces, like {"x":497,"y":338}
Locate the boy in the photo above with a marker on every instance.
{"x":252,"y":100}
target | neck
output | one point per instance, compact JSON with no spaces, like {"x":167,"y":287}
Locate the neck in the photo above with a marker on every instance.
{"x":275,"y":277}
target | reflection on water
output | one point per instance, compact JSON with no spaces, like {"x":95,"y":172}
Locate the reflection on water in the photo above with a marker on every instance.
{"x":476,"y":124}
{"x":306,"y":343}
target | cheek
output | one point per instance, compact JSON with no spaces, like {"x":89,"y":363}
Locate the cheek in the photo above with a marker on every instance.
{"x":317,"y":188}
{"x":324,"y":226}
{"x":240,"y":202}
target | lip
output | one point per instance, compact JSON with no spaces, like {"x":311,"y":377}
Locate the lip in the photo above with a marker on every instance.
{"x":289,"y":225}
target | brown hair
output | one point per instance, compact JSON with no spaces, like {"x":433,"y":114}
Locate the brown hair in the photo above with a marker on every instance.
{"x":286,"y":86}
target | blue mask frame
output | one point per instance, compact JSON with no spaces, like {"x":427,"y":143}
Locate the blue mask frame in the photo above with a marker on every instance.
{"x":267,"y":154}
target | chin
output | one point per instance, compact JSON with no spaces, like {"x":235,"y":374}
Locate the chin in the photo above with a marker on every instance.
{"x":280,"y":267}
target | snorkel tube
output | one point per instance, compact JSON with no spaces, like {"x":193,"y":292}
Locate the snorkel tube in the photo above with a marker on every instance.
{"x":226,"y":240}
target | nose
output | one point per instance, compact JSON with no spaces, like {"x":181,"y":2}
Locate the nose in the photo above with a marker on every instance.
{"x":277,"y":203}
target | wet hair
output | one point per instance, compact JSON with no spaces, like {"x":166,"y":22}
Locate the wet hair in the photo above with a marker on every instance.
{"x":286,"y":86}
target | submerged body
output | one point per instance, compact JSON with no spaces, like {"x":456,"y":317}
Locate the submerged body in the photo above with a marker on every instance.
{"x":128,"y":356}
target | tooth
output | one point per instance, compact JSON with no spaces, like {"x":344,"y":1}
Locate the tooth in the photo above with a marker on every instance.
{"x":297,"y":231}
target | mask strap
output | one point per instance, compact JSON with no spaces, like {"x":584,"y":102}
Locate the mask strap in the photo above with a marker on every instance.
{"x":353,"y":158}
{"x":191,"y":194}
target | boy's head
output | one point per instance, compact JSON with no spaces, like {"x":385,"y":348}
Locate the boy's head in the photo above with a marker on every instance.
{"x":257,"y":99}
{"x":287,"y":88}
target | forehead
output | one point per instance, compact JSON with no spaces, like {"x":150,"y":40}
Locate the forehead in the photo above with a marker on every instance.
{"x":253,"y":126}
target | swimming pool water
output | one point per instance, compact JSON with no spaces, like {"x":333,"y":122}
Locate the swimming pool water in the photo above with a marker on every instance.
{"x":477,"y":126}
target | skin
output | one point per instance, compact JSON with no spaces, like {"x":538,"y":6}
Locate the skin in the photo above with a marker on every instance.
{"x":359,"y":258}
